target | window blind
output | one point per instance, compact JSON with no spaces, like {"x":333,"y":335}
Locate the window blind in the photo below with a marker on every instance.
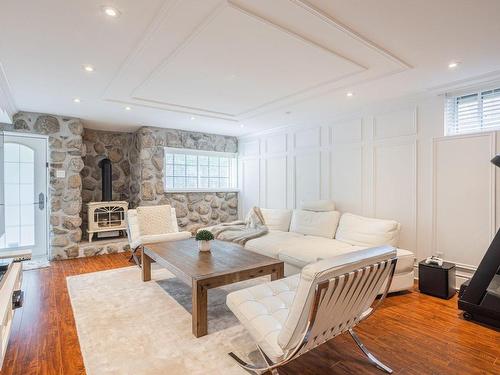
{"x":475,"y":112}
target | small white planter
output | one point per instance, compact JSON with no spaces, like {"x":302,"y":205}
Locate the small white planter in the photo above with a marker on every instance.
{"x":204,"y":245}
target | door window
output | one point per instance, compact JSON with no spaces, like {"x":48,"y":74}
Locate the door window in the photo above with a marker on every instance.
{"x":19,"y":185}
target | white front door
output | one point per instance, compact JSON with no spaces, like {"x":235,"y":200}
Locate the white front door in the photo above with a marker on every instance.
{"x":25,"y":194}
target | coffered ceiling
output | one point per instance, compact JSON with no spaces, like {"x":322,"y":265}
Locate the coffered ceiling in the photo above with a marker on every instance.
{"x":234,"y":66}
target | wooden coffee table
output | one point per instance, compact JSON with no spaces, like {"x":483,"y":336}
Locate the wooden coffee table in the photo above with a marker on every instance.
{"x":225,"y":264}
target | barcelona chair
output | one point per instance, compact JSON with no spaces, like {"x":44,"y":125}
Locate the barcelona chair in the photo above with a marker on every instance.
{"x":294,"y":315}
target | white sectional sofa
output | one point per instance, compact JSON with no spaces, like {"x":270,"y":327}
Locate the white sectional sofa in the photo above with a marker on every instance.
{"x":317,"y":231}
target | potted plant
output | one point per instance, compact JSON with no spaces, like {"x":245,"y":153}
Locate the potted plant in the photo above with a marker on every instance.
{"x":204,"y":237}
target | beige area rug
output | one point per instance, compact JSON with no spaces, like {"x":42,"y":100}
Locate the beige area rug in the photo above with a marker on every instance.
{"x":126,"y":326}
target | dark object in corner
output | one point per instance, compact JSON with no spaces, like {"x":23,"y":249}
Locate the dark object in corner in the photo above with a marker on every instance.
{"x":106,"y":178}
{"x":479,"y":298}
{"x":17,"y":299}
{"x":437,"y":281}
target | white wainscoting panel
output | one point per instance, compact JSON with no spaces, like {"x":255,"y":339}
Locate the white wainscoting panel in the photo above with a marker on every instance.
{"x":464,"y":197}
{"x":374,"y":163}
{"x":395,"y":124}
{"x":276,"y":144}
{"x":250,"y":184}
{"x":348,"y":131}
{"x":307,"y":177}
{"x":307,"y":138}
{"x":394,"y":188}
{"x":276,"y":182}
{"x":346,"y":172}
{"x":249,"y":148}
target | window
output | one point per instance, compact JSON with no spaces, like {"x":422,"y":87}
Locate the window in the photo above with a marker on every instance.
{"x":474,"y":112}
{"x":192,"y":170}
{"x":19,"y":188}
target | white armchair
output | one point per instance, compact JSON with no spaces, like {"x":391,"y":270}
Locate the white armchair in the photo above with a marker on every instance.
{"x":291,"y":316}
{"x":152,"y":224}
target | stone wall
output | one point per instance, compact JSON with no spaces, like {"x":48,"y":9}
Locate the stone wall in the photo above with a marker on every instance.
{"x":147,"y":188}
{"x":137,"y":176}
{"x":99,"y":145}
{"x":197,"y":210}
{"x":135,"y":171}
{"x":65,"y":152}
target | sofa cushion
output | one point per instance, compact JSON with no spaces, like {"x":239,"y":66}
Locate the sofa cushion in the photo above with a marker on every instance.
{"x":310,"y":249}
{"x":276,"y":218}
{"x":318,"y":206}
{"x":365,"y":231}
{"x":322,"y":224}
{"x":271,"y":243}
{"x":155,"y":220}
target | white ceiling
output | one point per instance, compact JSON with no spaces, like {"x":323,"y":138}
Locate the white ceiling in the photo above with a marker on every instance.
{"x":213,"y":65}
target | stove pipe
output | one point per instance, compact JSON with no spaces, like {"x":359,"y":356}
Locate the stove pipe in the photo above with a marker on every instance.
{"x":106,"y":174}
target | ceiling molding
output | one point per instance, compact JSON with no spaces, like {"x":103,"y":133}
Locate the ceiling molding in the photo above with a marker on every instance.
{"x":151,"y":30}
{"x":7,"y":105}
{"x":340,"y":26}
{"x":194,"y":33}
{"x":322,"y":93}
{"x":177,"y":109}
{"x":478,"y":82}
{"x":199,"y":29}
{"x":307,"y":93}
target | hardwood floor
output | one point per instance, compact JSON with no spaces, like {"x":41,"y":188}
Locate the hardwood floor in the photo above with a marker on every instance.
{"x":412,"y":333}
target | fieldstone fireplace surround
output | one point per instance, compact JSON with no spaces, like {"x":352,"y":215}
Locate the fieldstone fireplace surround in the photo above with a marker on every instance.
{"x":137,"y":162}
{"x":194,"y":210}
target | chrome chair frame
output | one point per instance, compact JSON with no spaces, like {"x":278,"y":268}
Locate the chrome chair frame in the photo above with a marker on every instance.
{"x":312,"y":337}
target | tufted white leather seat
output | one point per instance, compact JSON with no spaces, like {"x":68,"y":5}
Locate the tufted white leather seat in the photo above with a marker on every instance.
{"x":265,"y":308}
{"x":276,"y":313}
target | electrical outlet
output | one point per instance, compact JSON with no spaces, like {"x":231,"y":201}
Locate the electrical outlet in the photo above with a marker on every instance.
{"x":60,"y":173}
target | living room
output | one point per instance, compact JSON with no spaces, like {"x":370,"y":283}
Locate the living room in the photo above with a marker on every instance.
{"x":241,"y":186}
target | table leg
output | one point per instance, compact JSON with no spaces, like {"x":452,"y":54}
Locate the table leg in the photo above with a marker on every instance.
{"x":146,"y":266}
{"x":199,"y":313}
{"x":279,"y":273}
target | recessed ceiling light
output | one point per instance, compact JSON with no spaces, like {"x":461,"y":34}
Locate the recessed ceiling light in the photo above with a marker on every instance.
{"x":453,"y":64}
{"x":242,"y":125}
{"x":349,"y":94}
{"x":193,"y":118}
{"x":127,"y":108}
{"x":110,"y":11}
{"x":76,"y":100}
{"x":88,"y":68}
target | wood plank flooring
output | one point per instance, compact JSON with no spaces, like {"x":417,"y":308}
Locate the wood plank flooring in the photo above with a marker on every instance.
{"x":412,"y":333}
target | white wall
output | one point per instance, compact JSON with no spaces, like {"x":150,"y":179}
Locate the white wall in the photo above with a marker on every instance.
{"x":391,"y":161}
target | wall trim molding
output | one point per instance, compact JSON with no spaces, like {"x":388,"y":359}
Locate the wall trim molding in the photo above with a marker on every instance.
{"x":305,"y":153}
{"x":492,"y":189}
{"x":397,"y":142}
{"x":266,"y":191}
{"x":414,"y":124}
